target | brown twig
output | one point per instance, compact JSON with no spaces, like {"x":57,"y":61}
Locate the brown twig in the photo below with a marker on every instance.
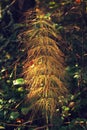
{"x":8,"y":6}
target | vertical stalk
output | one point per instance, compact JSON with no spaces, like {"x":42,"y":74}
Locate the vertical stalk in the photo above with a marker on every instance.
{"x":47,"y":128}
{"x":46,"y":96}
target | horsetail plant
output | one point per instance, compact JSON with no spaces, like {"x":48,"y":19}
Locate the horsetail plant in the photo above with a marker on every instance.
{"x":44,"y":65}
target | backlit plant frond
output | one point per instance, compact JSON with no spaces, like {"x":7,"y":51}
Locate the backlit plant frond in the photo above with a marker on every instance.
{"x":44,"y":66}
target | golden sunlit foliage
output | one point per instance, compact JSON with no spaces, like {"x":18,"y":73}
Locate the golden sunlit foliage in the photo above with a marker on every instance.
{"x":44,"y":65}
{"x":33,"y":89}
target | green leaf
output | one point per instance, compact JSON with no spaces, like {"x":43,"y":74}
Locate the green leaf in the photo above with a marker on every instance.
{"x":19,"y":128}
{"x":19,"y":81}
{"x":1,"y":101}
{"x":52,"y":3}
{"x":20,"y":89}
{"x":14,"y":115}
{"x":65,"y":108}
{"x":1,"y":106}
{"x":24,"y":111}
{"x":76,"y":76}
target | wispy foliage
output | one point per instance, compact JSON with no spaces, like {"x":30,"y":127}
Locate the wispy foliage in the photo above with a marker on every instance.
{"x":44,"y":65}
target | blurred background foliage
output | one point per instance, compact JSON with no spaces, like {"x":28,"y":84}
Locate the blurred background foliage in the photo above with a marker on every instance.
{"x":70,"y":19}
